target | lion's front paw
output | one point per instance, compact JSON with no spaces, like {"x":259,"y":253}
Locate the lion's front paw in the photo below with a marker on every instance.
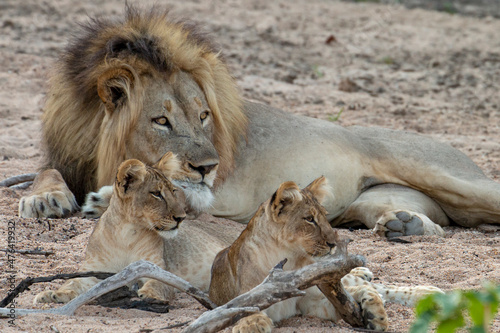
{"x":51,"y":197}
{"x":96,"y":203}
{"x":257,"y":323}
{"x":50,"y":296}
{"x":373,"y":311}
{"x":55,"y":204}
{"x":403,"y":223}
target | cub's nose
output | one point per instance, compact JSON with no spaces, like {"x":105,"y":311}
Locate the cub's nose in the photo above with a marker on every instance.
{"x":203,"y":169}
{"x":331,"y":245}
{"x":179,"y":219}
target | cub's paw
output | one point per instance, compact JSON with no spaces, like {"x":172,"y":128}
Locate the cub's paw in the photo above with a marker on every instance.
{"x":363,"y":273}
{"x":403,"y":223}
{"x":51,"y":197}
{"x":374,"y":315}
{"x":156,"y":290}
{"x":50,"y":296}
{"x":256,"y":323}
{"x":96,"y":203}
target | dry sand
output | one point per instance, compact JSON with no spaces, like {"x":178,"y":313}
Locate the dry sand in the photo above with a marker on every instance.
{"x":382,"y":65}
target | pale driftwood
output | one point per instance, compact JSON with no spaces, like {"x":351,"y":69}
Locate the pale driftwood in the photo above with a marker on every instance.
{"x":137,"y":270}
{"x":281,"y":285}
{"x":26,"y":283}
{"x":17,"y":179}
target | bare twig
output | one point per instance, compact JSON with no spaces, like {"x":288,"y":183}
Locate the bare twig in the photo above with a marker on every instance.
{"x":26,"y":283}
{"x":281,"y":285}
{"x":134,"y":271}
{"x":17,"y":179}
{"x":21,"y":186}
{"x":36,"y":252}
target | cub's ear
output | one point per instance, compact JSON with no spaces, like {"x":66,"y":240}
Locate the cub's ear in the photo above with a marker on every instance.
{"x":130,"y":173}
{"x":320,"y":189}
{"x":114,"y":87}
{"x":287,"y":194}
{"x":169,"y":164}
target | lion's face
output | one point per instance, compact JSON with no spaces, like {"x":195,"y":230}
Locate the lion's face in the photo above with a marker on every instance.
{"x":301,"y":219}
{"x":176,"y":117}
{"x":149,"y":198}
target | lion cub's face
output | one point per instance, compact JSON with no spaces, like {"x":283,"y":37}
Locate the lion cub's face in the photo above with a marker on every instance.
{"x":300,"y":219}
{"x":148,"y":197}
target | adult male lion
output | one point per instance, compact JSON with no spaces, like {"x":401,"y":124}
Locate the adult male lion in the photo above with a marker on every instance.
{"x":145,"y":85}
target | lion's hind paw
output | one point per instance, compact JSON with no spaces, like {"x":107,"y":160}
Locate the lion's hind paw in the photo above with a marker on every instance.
{"x":406,"y":223}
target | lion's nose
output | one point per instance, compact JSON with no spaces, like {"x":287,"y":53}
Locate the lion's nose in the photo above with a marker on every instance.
{"x":331,"y":245}
{"x":203,"y":169}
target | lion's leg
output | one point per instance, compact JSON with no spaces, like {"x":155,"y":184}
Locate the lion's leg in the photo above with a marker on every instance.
{"x":69,"y":290}
{"x":394,"y":210}
{"x":51,"y":197}
{"x":362,"y":276}
{"x":96,"y":203}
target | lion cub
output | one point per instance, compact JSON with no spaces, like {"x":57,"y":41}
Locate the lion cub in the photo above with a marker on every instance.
{"x":144,"y":207}
{"x":292,"y":224}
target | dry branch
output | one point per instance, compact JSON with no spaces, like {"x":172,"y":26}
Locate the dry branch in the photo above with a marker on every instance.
{"x":21,"y":186}
{"x":35,"y":252}
{"x":18,"y":179}
{"x":137,"y":270}
{"x":281,"y":285}
{"x":26,"y":283}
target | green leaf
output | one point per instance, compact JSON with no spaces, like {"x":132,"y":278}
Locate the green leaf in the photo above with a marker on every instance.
{"x":477,"y":329}
{"x":422,"y":323}
{"x":451,"y":304}
{"x":450,"y":325}
{"x":476,"y":308}
{"x":426,"y":304}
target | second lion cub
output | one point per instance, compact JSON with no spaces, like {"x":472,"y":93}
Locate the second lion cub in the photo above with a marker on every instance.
{"x":292,"y":224}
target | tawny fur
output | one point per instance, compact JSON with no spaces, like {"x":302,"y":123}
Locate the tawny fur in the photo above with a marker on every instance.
{"x":144,"y":208}
{"x":293,"y":225}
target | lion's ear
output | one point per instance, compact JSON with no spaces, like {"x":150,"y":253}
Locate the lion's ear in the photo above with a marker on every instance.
{"x":114,"y":86}
{"x":169,"y":164}
{"x":320,"y":189}
{"x":286,"y":195}
{"x":130,"y":173}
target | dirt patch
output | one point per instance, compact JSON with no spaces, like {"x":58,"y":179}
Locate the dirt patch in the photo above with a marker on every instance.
{"x":354,"y":63}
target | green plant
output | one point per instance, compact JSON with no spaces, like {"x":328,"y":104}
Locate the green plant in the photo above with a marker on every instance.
{"x":387,"y":60}
{"x":447,"y":310}
{"x":337,"y":116}
{"x":317,"y":72}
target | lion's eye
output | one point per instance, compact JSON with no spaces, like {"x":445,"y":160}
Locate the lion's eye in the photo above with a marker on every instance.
{"x":204,"y":115}
{"x":310,"y":219}
{"x":162,"y":121}
{"x":157,"y":195}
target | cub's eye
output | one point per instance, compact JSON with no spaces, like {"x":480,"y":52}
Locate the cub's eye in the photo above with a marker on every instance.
{"x":162,"y":121}
{"x":157,"y":195}
{"x":204,"y":115}
{"x":310,"y":219}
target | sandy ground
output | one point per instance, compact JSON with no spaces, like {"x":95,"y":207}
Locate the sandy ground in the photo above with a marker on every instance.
{"x":355,"y":63}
